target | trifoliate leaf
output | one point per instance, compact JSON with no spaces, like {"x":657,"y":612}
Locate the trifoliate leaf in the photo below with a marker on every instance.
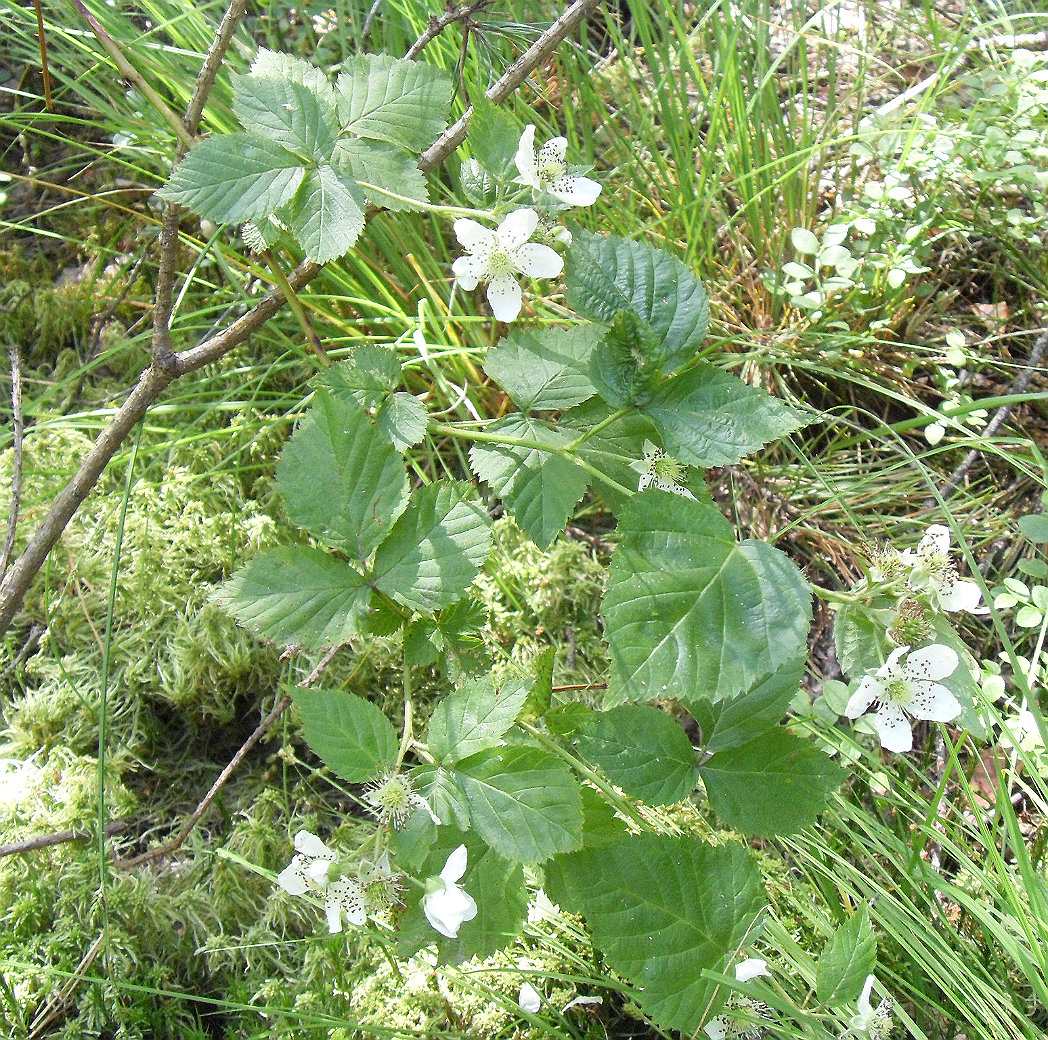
{"x":341,"y":478}
{"x":326,"y":215}
{"x":689,"y":614}
{"x":846,"y":960}
{"x":297,"y":596}
{"x":707,"y":417}
{"x":522,"y":801}
{"x":540,"y":488}
{"x":607,"y":275}
{"x":544,"y":371}
{"x":390,"y":99}
{"x":663,"y":910}
{"x":643,"y":751}
{"x":288,"y":113}
{"x":231,"y":178}
{"x":435,"y":549}
{"x":383,"y":166}
{"x":350,"y":735}
{"x":776,"y":784}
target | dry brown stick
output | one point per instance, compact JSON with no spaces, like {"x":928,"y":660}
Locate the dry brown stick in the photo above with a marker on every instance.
{"x":17,"y":429}
{"x":43,"y":841}
{"x":438,"y":25}
{"x":158,"y":376}
{"x":205,"y":803}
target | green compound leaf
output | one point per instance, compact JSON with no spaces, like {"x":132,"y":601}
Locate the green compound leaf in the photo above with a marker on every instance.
{"x":473,"y":718}
{"x":607,"y":275}
{"x":663,"y":910}
{"x":776,"y":784}
{"x":341,"y":478}
{"x":544,"y":371}
{"x":689,"y":613}
{"x":539,"y":488}
{"x":846,"y":960}
{"x":288,"y":113}
{"x":522,"y":801}
{"x":643,"y":751}
{"x":738,"y":720}
{"x":326,"y":215}
{"x":231,"y":178}
{"x":496,"y":886}
{"x":707,"y":417}
{"x":435,"y":549}
{"x":278,"y":65}
{"x":383,"y":166}
{"x":297,"y":596}
{"x":350,"y":735}
{"x":394,"y":100}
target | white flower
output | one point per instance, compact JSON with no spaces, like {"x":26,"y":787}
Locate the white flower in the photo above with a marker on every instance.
{"x":742,"y":1020}
{"x":529,"y":999}
{"x":449,"y":906}
{"x":932,"y":572}
{"x":496,"y":257}
{"x":661,"y":471}
{"x":393,"y":799}
{"x":309,"y":872}
{"x":897,"y":690}
{"x":875,"y":1022}
{"x":750,"y":968}
{"x":547,"y":171}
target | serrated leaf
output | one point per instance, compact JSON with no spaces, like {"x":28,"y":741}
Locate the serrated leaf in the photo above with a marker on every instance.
{"x":341,"y":478}
{"x":390,"y":99}
{"x":846,"y":960}
{"x":297,"y":596}
{"x":738,"y":720}
{"x":493,"y":139}
{"x":690,"y":614}
{"x":230,"y":178}
{"x":279,"y":65}
{"x":540,"y":488}
{"x":607,"y":275}
{"x":707,"y":417}
{"x":383,"y":166}
{"x":288,"y":113}
{"x":326,"y":214}
{"x":663,"y":910}
{"x":544,"y":371}
{"x":472,"y":718}
{"x":403,"y":418}
{"x":435,"y":549}
{"x":601,"y":825}
{"x":371,"y":368}
{"x":522,"y":801}
{"x":496,"y":886}
{"x":776,"y":784}
{"x":350,"y":735}
{"x":643,"y":751}
{"x":626,"y":366}
{"x":444,"y":794}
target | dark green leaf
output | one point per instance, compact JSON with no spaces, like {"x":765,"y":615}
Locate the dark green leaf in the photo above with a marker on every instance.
{"x":350,"y":735}
{"x":846,"y":960}
{"x":493,"y":139}
{"x":626,"y":366}
{"x":544,"y":371}
{"x":776,"y":784}
{"x":444,"y":795}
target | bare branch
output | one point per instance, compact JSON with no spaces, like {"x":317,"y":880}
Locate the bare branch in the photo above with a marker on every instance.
{"x":17,"y":428}
{"x":437,"y":25}
{"x":43,"y":841}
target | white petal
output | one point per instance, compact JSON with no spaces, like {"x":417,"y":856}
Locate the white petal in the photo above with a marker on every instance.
{"x":318,"y":871}
{"x":505,"y":297}
{"x":959,"y":595}
{"x":538,"y":261}
{"x":517,"y":228}
{"x":529,"y":998}
{"x":446,"y":911}
{"x":864,"y":1019}
{"x":891,"y":667}
{"x":931,"y":662}
{"x":582,"y":1002}
{"x":525,"y":159}
{"x":350,"y":898}
{"x":292,"y":879}
{"x":869,"y":690}
{"x":469,"y":270}
{"x":717,"y":1028}
{"x":936,"y":541}
{"x":893,"y":728}
{"x":455,"y":866}
{"x":751,"y":968}
{"x":931,"y":701}
{"x":555,"y":149}
{"x":475,"y":237}
{"x":575,"y":191}
{"x":310,"y":845}
{"x":333,"y":909}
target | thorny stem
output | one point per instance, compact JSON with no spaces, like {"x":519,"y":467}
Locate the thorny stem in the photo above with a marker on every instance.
{"x":17,"y":428}
{"x":156,"y":378}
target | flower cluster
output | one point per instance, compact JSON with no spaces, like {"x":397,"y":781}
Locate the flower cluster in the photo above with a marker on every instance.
{"x":498,"y":256}
{"x":928,"y":572}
